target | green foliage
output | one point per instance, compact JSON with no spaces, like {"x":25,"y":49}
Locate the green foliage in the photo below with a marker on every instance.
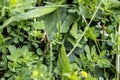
{"x":59,"y":39}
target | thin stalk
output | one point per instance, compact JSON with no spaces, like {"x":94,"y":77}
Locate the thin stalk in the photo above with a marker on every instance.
{"x":7,"y":22}
{"x":87,"y":27}
{"x":117,"y":58}
{"x":95,"y":41}
{"x":117,"y":66}
{"x":51,"y":56}
{"x":92,"y":34}
{"x":105,"y":73}
{"x":59,"y":22}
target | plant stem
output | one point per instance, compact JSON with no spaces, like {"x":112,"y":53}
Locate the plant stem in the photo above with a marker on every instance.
{"x":51,"y":56}
{"x":59,"y":22}
{"x":95,"y":40}
{"x":87,"y":27}
{"x":117,"y":57}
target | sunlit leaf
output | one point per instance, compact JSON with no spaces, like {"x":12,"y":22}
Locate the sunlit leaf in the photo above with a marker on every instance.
{"x":73,"y":31}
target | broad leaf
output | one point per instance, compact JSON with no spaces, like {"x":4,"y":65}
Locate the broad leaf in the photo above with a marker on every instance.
{"x":115,"y":4}
{"x":38,"y":12}
{"x":50,"y":25}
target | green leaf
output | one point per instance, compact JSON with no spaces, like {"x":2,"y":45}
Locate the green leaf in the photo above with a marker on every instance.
{"x":14,"y":56}
{"x":102,"y":54}
{"x":92,"y":33}
{"x":15,"y":53}
{"x":67,"y":22}
{"x":26,"y":4}
{"x":63,"y":61}
{"x":87,"y":50}
{"x":12,"y":49}
{"x":39,"y":25}
{"x":37,"y":12}
{"x":72,"y":57}
{"x":7,"y":22}
{"x":72,"y":10}
{"x":73,"y":42}
{"x":50,"y":25}
{"x":115,"y":4}
{"x":24,"y":50}
{"x":101,"y":78}
{"x":39,"y":51}
{"x":93,"y":50}
{"x":73,"y":31}
{"x":103,"y":63}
